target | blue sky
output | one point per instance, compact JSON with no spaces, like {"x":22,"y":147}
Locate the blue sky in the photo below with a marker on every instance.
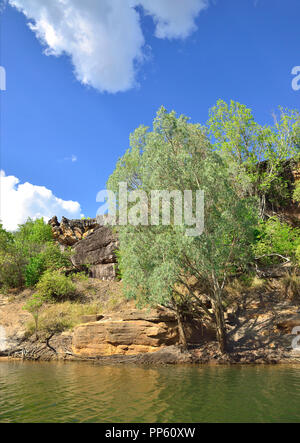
{"x":232,"y":49}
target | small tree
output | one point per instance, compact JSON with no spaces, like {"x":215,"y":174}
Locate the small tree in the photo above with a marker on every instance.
{"x":34,"y":306}
{"x":51,"y":258}
{"x":20,"y":249}
{"x":11,"y":261}
{"x":255,"y":153}
{"x":160,"y":264}
{"x":32,"y":236}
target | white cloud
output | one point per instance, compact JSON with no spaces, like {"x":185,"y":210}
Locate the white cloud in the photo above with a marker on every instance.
{"x":20,"y":201}
{"x":174,"y":18}
{"x":104,"y":38}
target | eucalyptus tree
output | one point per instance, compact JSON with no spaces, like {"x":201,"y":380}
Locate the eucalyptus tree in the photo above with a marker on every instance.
{"x":160,"y":262}
{"x":256,"y":153}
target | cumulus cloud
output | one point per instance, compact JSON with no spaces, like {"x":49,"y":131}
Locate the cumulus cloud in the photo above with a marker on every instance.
{"x":174,"y":18}
{"x":104,"y":38}
{"x":20,"y":201}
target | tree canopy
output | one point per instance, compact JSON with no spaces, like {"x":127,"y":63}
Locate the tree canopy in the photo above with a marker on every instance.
{"x":158,"y":263}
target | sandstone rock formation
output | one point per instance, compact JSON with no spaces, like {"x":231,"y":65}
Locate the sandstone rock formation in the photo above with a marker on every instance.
{"x":68,"y":232}
{"x":93,"y":245}
{"x":135,"y":333}
{"x":97,"y":250}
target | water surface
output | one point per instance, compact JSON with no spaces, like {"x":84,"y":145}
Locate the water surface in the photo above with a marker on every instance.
{"x":83,"y":392}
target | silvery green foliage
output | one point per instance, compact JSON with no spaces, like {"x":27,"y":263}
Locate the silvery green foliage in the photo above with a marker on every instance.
{"x":156,"y":261}
{"x":254,"y":152}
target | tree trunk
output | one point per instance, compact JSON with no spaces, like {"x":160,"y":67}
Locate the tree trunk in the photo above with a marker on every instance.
{"x":262,"y":206}
{"x":36,"y":327}
{"x":220,"y":326}
{"x":182,"y":335}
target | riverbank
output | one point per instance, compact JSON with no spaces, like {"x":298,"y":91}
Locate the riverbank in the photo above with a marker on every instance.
{"x":259,"y":323}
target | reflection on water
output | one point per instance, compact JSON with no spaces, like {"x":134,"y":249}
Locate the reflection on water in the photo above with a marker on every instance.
{"x":80,"y":392}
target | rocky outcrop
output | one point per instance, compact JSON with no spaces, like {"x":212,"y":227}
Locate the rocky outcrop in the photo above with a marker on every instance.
{"x":133,"y":333}
{"x":92,"y":244}
{"x":98,"y":251}
{"x":69,"y":232}
{"x":138,"y":332}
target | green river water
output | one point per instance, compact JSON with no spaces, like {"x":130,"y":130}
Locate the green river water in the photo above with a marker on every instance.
{"x":82,"y":392}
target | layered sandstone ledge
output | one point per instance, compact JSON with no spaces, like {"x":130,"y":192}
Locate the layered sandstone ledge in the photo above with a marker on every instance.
{"x":263,"y":336}
{"x":135,"y":333}
{"x":128,"y":333}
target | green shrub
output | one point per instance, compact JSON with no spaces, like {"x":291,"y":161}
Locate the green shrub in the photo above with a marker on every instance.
{"x":34,"y":270}
{"x":6,"y":239}
{"x":296,"y":193}
{"x":298,"y":255}
{"x":32,"y":236}
{"x":55,"y":286}
{"x":276,"y":238}
{"x":27,"y":253}
{"x":54,"y":258}
{"x":80,"y":277}
{"x":11,"y":268}
{"x":11,"y":261}
{"x":51,"y":258}
{"x":119,"y":266}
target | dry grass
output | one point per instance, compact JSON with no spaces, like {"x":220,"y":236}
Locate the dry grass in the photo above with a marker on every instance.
{"x":95,"y":290}
{"x":93,"y":297}
{"x":258,"y":284}
{"x":59,"y":317}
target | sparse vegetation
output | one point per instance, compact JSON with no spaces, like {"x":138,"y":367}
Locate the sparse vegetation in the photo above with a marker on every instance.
{"x":55,"y":286}
{"x":26,"y":254}
{"x":34,"y":306}
{"x":59,"y":317}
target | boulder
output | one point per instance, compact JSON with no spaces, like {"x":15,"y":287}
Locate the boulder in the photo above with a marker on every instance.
{"x":141,"y":332}
{"x":92,"y":244}
{"x":98,"y":251}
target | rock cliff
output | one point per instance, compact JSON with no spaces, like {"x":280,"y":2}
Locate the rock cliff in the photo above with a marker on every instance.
{"x":92,"y":245}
